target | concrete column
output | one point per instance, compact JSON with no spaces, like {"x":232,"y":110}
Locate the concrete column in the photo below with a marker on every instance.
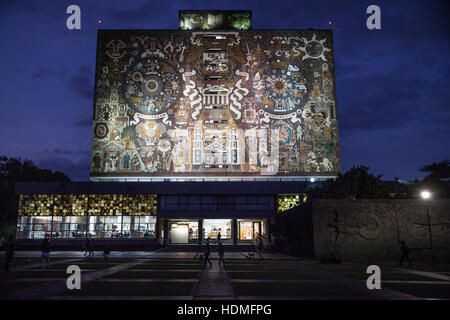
{"x":166,"y":232}
{"x":269,"y":230}
{"x":260,"y":228}
{"x":234,"y":231}
{"x":158,"y":230}
{"x":200,"y":232}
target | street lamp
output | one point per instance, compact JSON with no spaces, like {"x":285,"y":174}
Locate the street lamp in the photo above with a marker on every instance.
{"x":427,"y":195}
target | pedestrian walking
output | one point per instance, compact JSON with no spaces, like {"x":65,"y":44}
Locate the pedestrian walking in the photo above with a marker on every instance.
{"x":106,"y":252}
{"x":87,"y":246}
{"x":405,"y":253}
{"x":207,"y":252}
{"x":92,"y":248}
{"x":221,"y":253}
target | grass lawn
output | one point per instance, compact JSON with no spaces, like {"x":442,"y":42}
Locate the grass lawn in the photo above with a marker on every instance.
{"x":9,"y":287}
{"x":428,"y":267}
{"x":33,"y":274}
{"x":436,"y":291}
{"x":269,"y":275}
{"x":83,"y":266}
{"x":173,"y":261}
{"x":358,"y":271}
{"x":262,"y":265}
{"x":153,"y":275}
{"x":160,"y":266}
{"x":99,"y":288}
{"x":287,"y":289}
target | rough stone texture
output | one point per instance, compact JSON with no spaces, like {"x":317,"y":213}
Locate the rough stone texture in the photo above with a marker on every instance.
{"x":370,"y":230}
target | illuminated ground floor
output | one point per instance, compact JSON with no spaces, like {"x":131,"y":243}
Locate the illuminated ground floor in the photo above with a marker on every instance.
{"x":166,"y":213}
{"x":228,"y":231}
{"x":179,"y":231}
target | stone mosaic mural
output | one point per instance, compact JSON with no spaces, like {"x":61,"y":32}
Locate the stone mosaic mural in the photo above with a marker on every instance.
{"x":214,"y":103}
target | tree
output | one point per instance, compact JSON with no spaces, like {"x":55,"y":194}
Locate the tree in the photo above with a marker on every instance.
{"x":356,"y":183}
{"x":13,"y":170}
{"x":437,"y":182}
{"x":438,"y":171}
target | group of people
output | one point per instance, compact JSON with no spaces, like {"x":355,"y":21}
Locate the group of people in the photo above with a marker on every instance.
{"x":10,"y":247}
{"x":45,"y":247}
{"x":207,"y":252}
{"x":89,"y":249}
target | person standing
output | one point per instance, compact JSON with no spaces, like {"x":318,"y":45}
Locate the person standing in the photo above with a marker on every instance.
{"x":207,"y":252}
{"x":218,"y":237}
{"x":45,"y":255}
{"x":106,"y":252}
{"x":10,"y":246}
{"x":221,"y":252}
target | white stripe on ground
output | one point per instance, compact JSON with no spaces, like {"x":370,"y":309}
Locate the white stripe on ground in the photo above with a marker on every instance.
{"x":357,"y":286}
{"x":414,"y":282}
{"x":38,"y":264}
{"x":56,"y":288}
{"x":425,"y":274}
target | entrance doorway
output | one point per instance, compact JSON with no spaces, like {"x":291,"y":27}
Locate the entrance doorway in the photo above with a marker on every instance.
{"x":183,"y":231}
{"x":250,"y":229}
{"x":212,"y":228}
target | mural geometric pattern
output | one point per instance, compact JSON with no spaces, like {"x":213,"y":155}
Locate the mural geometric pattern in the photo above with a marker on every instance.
{"x":214,"y":103}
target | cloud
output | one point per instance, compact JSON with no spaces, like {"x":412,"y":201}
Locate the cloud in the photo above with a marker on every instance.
{"x":84,"y":122}
{"x":74,"y":163}
{"x":81,"y":82}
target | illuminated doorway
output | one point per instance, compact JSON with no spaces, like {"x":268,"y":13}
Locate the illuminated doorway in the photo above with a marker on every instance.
{"x":250,"y":229}
{"x":183,"y":231}
{"x":212,"y":228}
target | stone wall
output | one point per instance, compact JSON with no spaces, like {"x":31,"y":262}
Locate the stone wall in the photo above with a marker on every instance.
{"x":370,"y":230}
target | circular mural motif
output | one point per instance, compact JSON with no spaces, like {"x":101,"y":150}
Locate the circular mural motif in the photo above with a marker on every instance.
{"x":101,"y":130}
{"x":314,"y":49}
{"x":116,"y":49}
{"x":280,"y":87}
{"x":152,"y":86}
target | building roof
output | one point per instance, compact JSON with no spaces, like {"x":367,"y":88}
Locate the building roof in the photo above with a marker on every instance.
{"x":186,"y":188}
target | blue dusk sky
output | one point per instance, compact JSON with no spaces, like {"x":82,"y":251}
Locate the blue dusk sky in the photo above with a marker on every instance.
{"x":392,"y":84}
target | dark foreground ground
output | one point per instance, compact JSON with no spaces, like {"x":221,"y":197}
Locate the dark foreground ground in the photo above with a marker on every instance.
{"x":179,"y":275}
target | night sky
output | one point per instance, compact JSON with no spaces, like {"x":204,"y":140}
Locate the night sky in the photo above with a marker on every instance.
{"x":392,"y":84}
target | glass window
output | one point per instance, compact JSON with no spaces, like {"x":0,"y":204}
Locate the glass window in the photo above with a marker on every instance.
{"x":212,"y":228}
{"x":126,"y":226}
{"x":37,"y":227}
{"x":113,"y":227}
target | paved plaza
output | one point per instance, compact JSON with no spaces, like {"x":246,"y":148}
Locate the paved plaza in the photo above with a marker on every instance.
{"x":244,"y":276}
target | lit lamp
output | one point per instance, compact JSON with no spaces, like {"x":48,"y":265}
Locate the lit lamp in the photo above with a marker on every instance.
{"x":427,"y":195}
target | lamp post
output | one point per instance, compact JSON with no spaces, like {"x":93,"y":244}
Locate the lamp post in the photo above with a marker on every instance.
{"x":427,"y":195}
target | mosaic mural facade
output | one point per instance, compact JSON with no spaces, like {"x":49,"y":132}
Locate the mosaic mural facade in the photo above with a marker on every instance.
{"x":214,"y":103}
